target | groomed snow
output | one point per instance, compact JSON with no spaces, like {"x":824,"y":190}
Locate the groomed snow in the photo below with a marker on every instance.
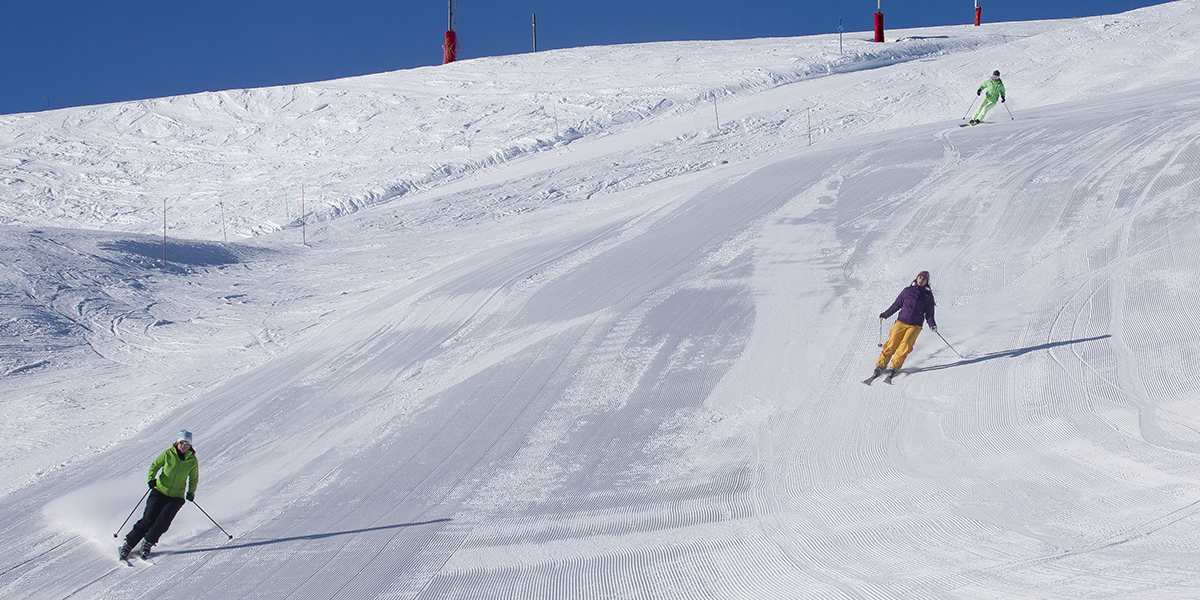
{"x":557,"y":335}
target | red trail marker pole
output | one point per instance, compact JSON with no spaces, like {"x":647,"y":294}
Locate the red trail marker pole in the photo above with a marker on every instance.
{"x":978,"y":13}
{"x":878,"y":20}
{"x":450,"y":43}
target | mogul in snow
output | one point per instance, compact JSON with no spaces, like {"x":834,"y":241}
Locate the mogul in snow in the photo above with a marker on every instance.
{"x":915,"y":304}
{"x":995,"y":89}
{"x":174,"y":475}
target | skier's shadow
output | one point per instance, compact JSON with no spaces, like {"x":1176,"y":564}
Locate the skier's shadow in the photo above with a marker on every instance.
{"x":1014,"y":353}
{"x":311,"y":536}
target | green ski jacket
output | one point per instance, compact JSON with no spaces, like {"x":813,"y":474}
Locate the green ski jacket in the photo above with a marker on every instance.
{"x":993,"y":87}
{"x":171,"y":473}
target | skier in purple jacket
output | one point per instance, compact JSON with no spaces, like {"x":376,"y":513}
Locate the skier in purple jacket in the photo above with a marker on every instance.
{"x":916,"y":305}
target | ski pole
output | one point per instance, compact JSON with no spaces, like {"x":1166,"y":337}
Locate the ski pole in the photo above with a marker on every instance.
{"x":880,"y":332}
{"x":1010,"y":115}
{"x":135,"y":507}
{"x":214,"y":521}
{"x":939,"y":334}
{"x":968,"y":109}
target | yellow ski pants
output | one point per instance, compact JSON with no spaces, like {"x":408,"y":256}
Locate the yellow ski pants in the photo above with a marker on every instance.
{"x":898,"y":345}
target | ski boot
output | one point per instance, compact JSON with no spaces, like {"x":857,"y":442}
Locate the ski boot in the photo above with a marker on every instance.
{"x":124,"y":551}
{"x":144,"y":554}
{"x":891,"y":373}
{"x":875,"y":375}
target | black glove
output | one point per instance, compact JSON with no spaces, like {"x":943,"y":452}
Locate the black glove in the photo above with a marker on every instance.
{"x":977,"y":92}
{"x":933,"y":327}
{"x":150,"y":484}
{"x":191,"y":496}
{"x":1002,"y":98}
{"x":882,"y":315}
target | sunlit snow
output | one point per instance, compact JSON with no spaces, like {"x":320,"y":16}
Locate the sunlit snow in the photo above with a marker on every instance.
{"x":591,"y":323}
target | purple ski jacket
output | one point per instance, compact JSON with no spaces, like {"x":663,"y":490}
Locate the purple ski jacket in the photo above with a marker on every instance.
{"x":915,"y":305}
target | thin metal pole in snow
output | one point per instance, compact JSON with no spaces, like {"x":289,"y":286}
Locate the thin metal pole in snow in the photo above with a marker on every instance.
{"x":840,"y":30}
{"x":534,"y":24}
{"x":224,"y":235}
{"x":939,"y":334}
{"x":214,"y":521}
{"x":131,"y":513}
{"x":968,"y":109}
{"x":164,"y":244}
{"x":715,"y":115}
{"x":810,"y":126}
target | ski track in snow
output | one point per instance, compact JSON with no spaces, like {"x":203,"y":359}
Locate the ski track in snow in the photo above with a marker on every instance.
{"x":629,"y":367}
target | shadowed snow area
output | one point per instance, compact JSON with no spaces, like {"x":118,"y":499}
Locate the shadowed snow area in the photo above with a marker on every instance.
{"x":629,"y":366}
{"x":195,"y":254}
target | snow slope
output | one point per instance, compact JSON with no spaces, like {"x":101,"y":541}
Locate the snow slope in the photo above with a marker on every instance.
{"x":628,"y":367}
{"x":243,"y":156}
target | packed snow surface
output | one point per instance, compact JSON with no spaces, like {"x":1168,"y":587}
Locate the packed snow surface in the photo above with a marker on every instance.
{"x":591,"y":323}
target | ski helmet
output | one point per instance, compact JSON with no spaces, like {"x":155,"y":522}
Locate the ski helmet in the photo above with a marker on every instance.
{"x":996,"y":73}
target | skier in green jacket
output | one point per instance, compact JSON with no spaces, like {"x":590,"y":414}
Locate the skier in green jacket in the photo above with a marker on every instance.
{"x":169,"y":478}
{"x":995,"y":89}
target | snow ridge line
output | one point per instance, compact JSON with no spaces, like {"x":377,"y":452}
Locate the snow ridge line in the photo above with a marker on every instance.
{"x":38,"y":555}
{"x":448,"y":172}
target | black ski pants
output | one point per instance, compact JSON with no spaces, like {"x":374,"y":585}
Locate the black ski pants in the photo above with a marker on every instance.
{"x":160,"y":511}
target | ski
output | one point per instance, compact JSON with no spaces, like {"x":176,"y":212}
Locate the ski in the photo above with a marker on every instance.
{"x":129,"y":562}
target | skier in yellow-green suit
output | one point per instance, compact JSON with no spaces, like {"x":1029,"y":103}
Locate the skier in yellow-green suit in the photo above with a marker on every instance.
{"x":995,"y":89}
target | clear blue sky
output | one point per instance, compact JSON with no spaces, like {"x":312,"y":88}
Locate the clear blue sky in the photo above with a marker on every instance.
{"x":86,"y":52}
